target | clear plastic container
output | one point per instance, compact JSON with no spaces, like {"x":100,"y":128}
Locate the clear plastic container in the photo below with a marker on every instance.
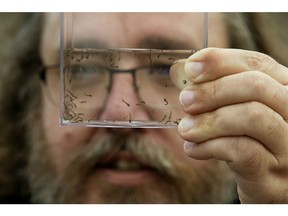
{"x":108,"y":82}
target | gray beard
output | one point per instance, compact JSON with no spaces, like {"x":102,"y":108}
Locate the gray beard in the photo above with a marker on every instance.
{"x":178,"y":184}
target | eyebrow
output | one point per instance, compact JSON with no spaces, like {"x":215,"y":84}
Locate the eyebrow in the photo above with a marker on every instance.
{"x":148,"y":42}
{"x":163,"y":42}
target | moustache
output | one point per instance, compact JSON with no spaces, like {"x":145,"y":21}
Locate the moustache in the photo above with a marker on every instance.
{"x":142,"y":150}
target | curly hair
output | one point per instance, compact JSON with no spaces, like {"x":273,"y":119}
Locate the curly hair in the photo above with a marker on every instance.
{"x":20,"y":89}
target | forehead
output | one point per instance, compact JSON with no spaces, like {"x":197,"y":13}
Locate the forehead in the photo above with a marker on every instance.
{"x":127,"y":30}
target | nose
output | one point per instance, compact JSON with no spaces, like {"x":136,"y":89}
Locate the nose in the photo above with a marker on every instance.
{"x":123,"y":102}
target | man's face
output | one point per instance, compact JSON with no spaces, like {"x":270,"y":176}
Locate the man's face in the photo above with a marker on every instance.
{"x":105,"y":165}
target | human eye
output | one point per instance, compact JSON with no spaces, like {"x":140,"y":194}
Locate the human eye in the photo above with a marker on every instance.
{"x":159,"y":75}
{"x":160,"y":70}
{"x":85,"y":75}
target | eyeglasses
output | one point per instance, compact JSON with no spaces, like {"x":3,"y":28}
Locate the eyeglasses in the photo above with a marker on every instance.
{"x":88,"y":81}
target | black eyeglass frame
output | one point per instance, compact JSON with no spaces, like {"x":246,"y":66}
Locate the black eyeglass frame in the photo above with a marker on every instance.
{"x":43,"y":70}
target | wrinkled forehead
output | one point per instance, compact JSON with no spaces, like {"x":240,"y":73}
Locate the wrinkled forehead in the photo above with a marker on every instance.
{"x":124,"y":30}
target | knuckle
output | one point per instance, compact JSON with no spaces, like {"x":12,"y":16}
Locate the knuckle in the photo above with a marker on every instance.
{"x":257,"y":83}
{"x":282,"y":94}
{"x":213,"y":55}
{"x":208,"y":94}
{"x":254,"y":111}
{"x":215,"y":89}
{"x":212,"y":52}
{"x":259,"y":61}
{"x":259,"y":115}
{"x":273,"y":127}
{"x":218,"y":122}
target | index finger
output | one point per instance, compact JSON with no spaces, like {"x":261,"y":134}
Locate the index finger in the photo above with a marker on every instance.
{"x":213,"y":63}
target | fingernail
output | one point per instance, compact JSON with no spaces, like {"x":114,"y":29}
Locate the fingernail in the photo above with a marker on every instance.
{"x":186,"y":124}
{"x":188,"y":145}
{"x":186,"y":98}
{"x":194,"y":68}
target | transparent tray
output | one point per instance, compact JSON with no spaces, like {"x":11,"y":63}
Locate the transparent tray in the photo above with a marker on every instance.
{"x":118,"y":87}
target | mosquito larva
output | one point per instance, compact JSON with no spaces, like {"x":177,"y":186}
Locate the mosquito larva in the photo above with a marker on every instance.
{"x":76,"y":117}
{"x":92,"y":119}
{"x":169,"y":118}
{"x":119,"y":56}
{"x":149,"y":54}
{"x":74,"y":96}
{"x":111,"y":55}
{"x":71,"y":115}
{"x":177,"y":121}
{"x":104,"y":57}
{"x":125,"y":102}
{"x":184,"y":81}
{"x":69,"y":53}
{"x":87,"y":95}
{"x":150,"y":58}
{"x":164,"y":117}
{"x":80,"y":59}
{"x":67,"y":116}
{"x":160,"y":54}
{"x":87,"y":55}
{"x":170,"y":115}
{"x":167,"y":122}
{"x":83,"y":102}
{"x":77,"y":120}
{"x":130,"y":117}
{"x":113,"y":66}
{"x":166,"y":102}
{"x":165,"y":84}
{"x":140,"y":103}
{"x":70,"y":104}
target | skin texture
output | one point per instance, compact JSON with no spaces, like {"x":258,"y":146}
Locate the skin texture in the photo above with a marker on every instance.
{"x":60,"y":152}
{"x":236,"y":106}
